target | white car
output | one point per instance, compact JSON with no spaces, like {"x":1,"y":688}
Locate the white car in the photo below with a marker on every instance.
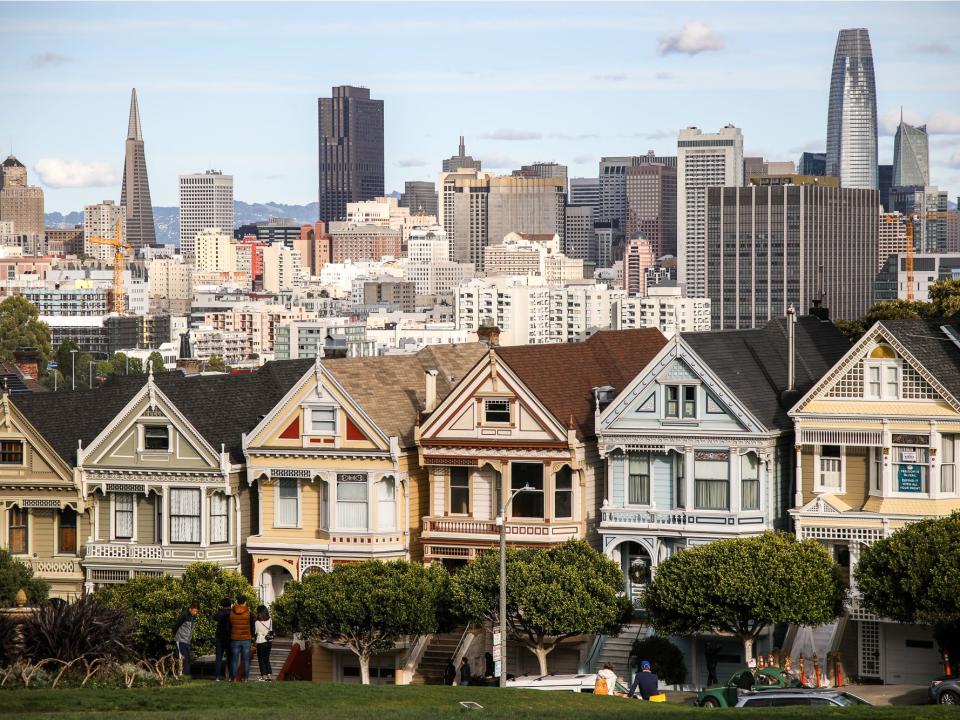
{"x":569,"y":683}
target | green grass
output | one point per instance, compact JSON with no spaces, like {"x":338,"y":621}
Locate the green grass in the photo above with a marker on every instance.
{"x":282,"y":701}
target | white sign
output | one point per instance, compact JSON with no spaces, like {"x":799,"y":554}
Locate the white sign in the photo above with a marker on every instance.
{"x":496,"y":653}
{"x":908,"y":456}
{"x":497,"y":668}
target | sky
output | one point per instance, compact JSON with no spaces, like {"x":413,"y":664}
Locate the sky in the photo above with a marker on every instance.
{"x":234,"y":86}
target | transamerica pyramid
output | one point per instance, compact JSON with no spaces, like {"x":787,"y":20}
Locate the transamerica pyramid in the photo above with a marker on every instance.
{"x":135,"y":195}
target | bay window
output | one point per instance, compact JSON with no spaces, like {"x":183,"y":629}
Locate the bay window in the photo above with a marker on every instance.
{"x":749,"y":482}
{"x":387,"y":504}
{"x":910,"y":468}
{"x":563,"y":493}
{"x":17,"y":518}
{"x":679,"y":474}
{"x":459,"y":491}
{"x":527,"y":504}
{"x":711,"y":480}
{"x":219,"y":518}
{"x":288,"y":503}
{"x":351,"y":501}
{"x":184,"y":515}
{"x":123,"y":504}
{"x":67,"y":531}
{"x":638,"y":479}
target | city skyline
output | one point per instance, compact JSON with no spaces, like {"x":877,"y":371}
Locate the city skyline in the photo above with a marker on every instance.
{"x":705,"y":65}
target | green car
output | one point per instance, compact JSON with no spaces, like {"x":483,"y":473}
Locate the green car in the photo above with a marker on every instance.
{"x":768,"y":678}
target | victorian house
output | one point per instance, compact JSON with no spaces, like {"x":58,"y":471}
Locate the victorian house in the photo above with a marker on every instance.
{"x":877,"y":445}
{"x":697,"y":446}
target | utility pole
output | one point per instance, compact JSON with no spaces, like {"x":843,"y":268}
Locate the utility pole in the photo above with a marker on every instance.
{"x":502,"y":520}
{"x":92,"y":363}
{"x":73,"y":368}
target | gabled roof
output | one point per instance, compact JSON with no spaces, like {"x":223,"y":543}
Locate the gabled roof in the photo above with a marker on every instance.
{"x":392,"y":389}
{"x":930,"y":342}
{"x":563,"y":375}
{"x":753,"y":363}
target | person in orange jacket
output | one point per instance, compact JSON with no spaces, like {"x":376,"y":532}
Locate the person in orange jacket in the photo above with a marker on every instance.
{"x":241,"y":633}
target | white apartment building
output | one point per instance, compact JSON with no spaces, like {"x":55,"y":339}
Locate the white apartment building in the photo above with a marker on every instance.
{"x":169,"y":285}
{"x":703,"y":160}
{"x":386,"y":211}
{"x":407,"y":334}
{"x":528,"y":254}
{"x":337,"y":278}
{"x":282,"y":269}
{"x":257,"y":321}
{"x":101,"y":220}
{"x":233,"y":347}
{"x":206,"y":201}
{"x":664,"y":308}
{"x":428,"y":250}
{"x":214,"y":251}
{"x":529,"y":311}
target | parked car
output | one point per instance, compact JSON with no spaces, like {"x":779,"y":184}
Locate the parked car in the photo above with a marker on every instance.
{"x":768,"y":678}
{"x":570,"y":683}
{"x":799,"y":696}
{"x":945,"y":691}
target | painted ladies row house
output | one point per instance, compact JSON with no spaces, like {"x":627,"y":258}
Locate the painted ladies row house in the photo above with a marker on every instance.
{"x":878,"y":446}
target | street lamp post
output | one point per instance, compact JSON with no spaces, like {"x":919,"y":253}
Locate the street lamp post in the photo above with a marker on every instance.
{"x":92,"y":363}
{"x":502,"y":519}
{"x":73,"y":368}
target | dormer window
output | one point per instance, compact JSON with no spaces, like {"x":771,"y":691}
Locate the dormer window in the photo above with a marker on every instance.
{"x":881,"y":379}
{"x":496,"y":411}
{"x":156,"y":437}
{"x":680,"y":401}
{"x":323,"y":421}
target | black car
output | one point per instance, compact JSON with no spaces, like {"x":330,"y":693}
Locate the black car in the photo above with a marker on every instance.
{"x":945,"y":691}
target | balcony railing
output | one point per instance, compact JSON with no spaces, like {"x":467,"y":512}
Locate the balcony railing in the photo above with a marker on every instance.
{"x":645,"y":517}
{"x":53,"y":568}
{"x":132,"y":553}
{"x":488,"y":529}
{"x":619,"y":517}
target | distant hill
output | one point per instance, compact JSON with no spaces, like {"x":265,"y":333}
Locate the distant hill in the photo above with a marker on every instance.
{"x":167,"y":219}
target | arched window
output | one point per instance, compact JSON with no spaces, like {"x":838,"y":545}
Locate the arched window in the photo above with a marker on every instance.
{"x":881,"y":374}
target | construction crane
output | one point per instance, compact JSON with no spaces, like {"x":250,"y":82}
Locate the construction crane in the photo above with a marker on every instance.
{"x":911,"y":218}
{"x":119,"y":300}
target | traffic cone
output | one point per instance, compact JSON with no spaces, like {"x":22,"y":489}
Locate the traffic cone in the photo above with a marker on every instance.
{"x":838,"y":670}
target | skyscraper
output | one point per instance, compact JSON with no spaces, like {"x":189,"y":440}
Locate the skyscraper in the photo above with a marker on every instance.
{"x":420,"y":197}
{"x":812,"y":164}
{"x":206,"y":202}
{"x":638,"y":257}
{"x":613,"y":185}
{"x":135,"y":194}
{"x":461,"y":161}
{"x":651,"y":192}
{"x":20,"y":203}
{"x":543,"y":170}
{"x":351,"y":150}
{"x":703,"y":160}
{"x":852,"y":112}
{"x":911,"y":156}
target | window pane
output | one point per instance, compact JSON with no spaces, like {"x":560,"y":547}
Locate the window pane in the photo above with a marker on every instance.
{"x":324,"y":421}
{"x":67,"y":522}
{"x":673,"y":401}
{"x":497,"y":411}
{"x":563,"y":493}
{"x":219,"y":519}
{"x":712,"y":484}
{"x":679,"y":463}
{"x":288,"y":487}
{"x":123,"y":515}
{"x":638,"y":485}
{"x":11,"y":452}
{"x":459,"y":491}
{"x":18,"y":531}
{"x":527,"y":503}
{"x":184,"y":515}
{"x":749,"y":482}
{"x":891,"y":390}
{"x":387,"y":509}
{"x":352,"y":501}
{"x":156,"y":437}
{"x":689,"y":401}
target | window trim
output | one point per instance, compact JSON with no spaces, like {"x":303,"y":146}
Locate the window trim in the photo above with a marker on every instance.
{"x":276,"y":504}
{"x":758,"y":480}
{"x":226,"y":514}
{"x":26,"y":529}
{"x":143,"y":437}
{"x":366,"y":502}
{"x":542,"y":491}
{"x":501,"y":423}
{"x":312,"y":431}
{"x":76,"y":532}
{"x":23,"y":453}
{"x":449,"y":492}
{"x":626,"y":475}
{"x":113,"y":518}
{"x":818,"y":486}
{"x":556,"y":492}
{"x":882,"y":365}
{"x":681,"y":401}
{"x":728,"y":480}
{"x":199,"y":516}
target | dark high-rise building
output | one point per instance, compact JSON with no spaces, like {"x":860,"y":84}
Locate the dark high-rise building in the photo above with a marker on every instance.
{"x":651,"y":193}
{"x":613,"y":184}
{"x":351,"y":150}
{"x":461,"y":161}
{"x":812,"y":164}
{"x":135,"y":193}
{"x":852,"y":112}
{"x":543,"y":170}
{"x":774,"y":244}
{"x":884,"y":183}
{"x":420,"y":196}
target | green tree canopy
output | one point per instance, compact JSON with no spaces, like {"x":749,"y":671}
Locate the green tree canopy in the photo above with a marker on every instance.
{"x":744,"y":585}
{"x":913,"y":576}
{"x":552,"y":595}
{"x":366,"y":607}
{"x":155,"y":361}
{"x":14,"y":576}
{"x":215,"y":363}
{"x":944,"y":302}
{"x":155,"y":603}
{"x":20,"y":327}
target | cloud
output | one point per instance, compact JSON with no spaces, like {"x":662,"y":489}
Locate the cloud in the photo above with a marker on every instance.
{"x":498,"y":161}
{"x":812,"y":146}
{"x":938,"y":123}
{"x":663,"y":75}
{"x":933,"y":48}
{"x":693,"y":38}
{"x":955,"y":160}
{"x":583,"y":159}
{"x":611,"y":77}
{"x":511,"y":134}
{"x":58,"y":173}
{"x":656,"y":135}
{"x":47,"y":59}
{"x":411,"y":162}
{"x":581,"y":136}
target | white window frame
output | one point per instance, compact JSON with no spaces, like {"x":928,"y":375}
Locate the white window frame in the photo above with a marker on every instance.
{"x":681,"y":415}
{"x":895,"y":481}
{"x":386,"y":524}
{"x":759,"y":480}
{"x":818,"y":486}
{"x":143,"y":437}
{"x":199,"y":515}
{"x":311,"y":430}
{"x":276,"y":503}
{"x":882,"y":366}
{"x":503,"y":423}
{"x":557,"y":491}
{"x":113,"y":518}
{"x":627,"y":456}
{"x":449,"y":493}
{"x":227,"y":503}
{"x":366,"y":502}
{"x":949,"y":460}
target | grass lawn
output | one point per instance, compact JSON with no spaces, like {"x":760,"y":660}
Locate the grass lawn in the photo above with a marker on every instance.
{"x":268,"y":701}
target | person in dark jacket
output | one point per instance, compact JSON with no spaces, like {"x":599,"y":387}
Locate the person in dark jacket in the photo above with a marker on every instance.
{"x":489,"y":667}
{"x":222,"y":660}
{"x":748,"y":676}
{"x":464,"y":672}
{"x":450,"y":674}
{"x":183,"y":634}
{"x":646,"y":681}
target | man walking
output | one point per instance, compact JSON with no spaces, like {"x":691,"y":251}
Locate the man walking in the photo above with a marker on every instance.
{"x":646,"y":681}
{"x":183,"y":634}
{"x":241,"y":633}
{"x":222,"y":618}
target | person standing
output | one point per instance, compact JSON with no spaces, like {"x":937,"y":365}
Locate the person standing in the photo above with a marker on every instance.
{"x":450,"y":673}
{"x":263,"y":636}
{"x":183,"y":634}
{"x":646,"y":681}
{"x":464,"y":672}
{"x":241,"y":632}
{"x":222,"y":618}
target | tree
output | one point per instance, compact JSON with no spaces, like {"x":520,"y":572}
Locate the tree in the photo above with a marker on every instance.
{"x":744,"y":585}
{"x":215,"y":363}
{"x":65,"y":358}
{"x":552,"y":595}
{"x":123,"y":364}
{"x":155,"y":361}
{"x":944,"y":297}
{"x":913,"y":576}
{"x":20,"y":326}
{"x":155,"y":603}
{"x":666,"y":659}
{"x":366,"y":607}
{"x":14,"y":576}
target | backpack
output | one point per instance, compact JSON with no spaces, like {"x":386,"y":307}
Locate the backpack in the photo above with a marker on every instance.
{"x":601,"y":687}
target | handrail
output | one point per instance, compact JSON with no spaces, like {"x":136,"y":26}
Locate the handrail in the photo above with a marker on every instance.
{"x":461,"y":651}
{"x":595,"y":648}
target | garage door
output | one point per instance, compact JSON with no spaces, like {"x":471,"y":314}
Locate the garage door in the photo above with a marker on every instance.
{"x":910,"y":654}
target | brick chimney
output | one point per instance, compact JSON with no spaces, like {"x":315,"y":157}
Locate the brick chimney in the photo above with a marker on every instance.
{"x":489,"y":334}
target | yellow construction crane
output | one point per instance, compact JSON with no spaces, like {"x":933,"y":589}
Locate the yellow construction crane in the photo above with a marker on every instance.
{"x":910,"y":250}
{"x":119,"y":300}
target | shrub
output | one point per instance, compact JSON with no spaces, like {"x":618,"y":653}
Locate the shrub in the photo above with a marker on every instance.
{"x":86,"y":629}
{"x":15,"y":575}
{"x":9,"y":641}
{"x":666,"y":659}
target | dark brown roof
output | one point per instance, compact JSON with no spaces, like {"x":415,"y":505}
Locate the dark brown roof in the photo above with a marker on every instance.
{"x":392,"y":389}
{"x":563,"y":375}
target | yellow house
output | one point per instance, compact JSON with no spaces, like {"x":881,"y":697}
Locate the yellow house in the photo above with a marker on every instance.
{"x":44,"y":518}
{"x":877,"y":445}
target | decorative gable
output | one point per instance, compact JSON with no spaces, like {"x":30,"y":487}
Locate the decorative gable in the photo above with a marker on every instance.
{"x":28,"y":458}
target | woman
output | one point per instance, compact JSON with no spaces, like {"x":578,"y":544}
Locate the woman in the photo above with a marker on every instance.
{"x":606,"y":681}
{"x":263,"y":629}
